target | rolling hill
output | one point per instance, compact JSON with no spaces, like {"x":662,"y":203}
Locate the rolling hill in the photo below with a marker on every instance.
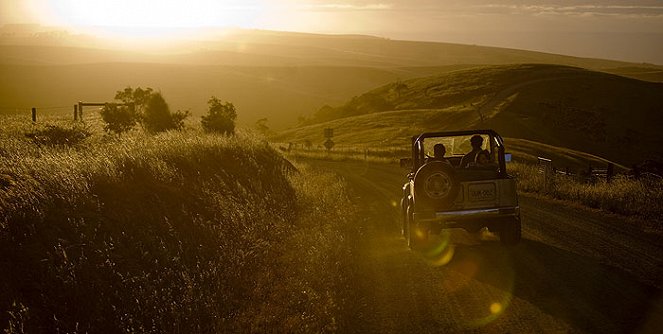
{"x":608,"y":115}
{"x":276,"y":75}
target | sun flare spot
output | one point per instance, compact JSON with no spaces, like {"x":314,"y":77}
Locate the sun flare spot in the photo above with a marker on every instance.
{"x":495,"y":308}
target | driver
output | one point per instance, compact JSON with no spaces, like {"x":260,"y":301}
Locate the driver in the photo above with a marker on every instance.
{"x":477,"y":143}
{"x":438,"y":153}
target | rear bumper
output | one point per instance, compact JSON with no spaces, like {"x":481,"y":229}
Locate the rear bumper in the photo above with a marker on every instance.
{"x":468,"y":215}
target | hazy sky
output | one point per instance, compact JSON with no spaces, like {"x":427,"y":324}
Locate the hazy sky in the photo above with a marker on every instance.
{"x":628,"y":30}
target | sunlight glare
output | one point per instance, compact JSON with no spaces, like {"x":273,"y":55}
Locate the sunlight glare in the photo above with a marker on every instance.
{"x":136,"y":18}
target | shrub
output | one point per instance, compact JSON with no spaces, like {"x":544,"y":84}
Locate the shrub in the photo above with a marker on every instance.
{"x":56,"y":135}
{"x":158,"y":117}
{"x":118,"y":119}
{"x":220,"y":118}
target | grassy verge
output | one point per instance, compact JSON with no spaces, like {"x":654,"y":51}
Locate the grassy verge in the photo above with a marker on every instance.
{"x":633,"y":198}
{"x":181,"y":232}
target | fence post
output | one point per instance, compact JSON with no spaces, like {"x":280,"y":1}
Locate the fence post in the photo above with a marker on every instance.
{"x":610,"y":172}
{"x":34,"y":115}
{"x":75,"y":112}
{"x":547,"y":177}
{"x":80,"y":110}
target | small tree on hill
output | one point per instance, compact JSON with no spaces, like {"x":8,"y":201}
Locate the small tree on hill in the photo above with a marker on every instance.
{"x":118,"y":119}
{"x":158,"y":118}
{"x":262,"y":127}
{"x":220,"y":118}
{"x":145,"y":106}
{"x":137,"y":97}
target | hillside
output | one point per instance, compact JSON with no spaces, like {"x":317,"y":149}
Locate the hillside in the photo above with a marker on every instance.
{"x":275,"y":48}
{"x":275,"y":75}
{"x":280,"y":94}
{"x":150,"y":225}
{"x":608,"y":115}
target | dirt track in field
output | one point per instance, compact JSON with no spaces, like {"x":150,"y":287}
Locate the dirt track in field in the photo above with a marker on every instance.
{"x":575,"y":271}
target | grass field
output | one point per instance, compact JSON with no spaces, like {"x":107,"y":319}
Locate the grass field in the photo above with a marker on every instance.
{"x":179,"y":232}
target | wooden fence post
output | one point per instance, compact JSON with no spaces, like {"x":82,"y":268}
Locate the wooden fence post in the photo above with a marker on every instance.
{"x":34,"y":115}
{"x":610,"y":172}
{"x":80,"y":110}
{"x":75,"y":112}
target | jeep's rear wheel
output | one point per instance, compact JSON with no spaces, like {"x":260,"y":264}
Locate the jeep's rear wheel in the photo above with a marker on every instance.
{"x":415,"y":235}
{"x":404,"y":218}
{"x":510,"y":232}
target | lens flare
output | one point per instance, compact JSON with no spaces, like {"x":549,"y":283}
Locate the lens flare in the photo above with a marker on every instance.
{"x":503,"y":281}
{"x":440,"y":251}
{"x":495,"y":308}
{"x":473,"y":265}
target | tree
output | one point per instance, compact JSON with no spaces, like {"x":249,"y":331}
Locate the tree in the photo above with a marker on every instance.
{"x":145,"y":106}
{"x":262,"y":127}
{"x":118,"y":119}
{"x":158,"y":118}
{"x":220,"y":118}
{"x":137,"y":98}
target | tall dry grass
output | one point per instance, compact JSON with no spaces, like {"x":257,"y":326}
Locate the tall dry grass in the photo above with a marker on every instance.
{"x":635,"y":198}
{"x":180,"y":232}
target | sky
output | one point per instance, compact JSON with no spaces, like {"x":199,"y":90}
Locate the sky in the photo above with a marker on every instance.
{"x":623,"y":30}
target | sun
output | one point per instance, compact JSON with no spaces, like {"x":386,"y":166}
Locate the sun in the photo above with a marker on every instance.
{"x":139,"y":17}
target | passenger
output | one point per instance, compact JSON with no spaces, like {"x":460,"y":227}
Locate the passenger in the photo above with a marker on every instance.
{"x":483,"y":161}
{"x":483,"y":158}
{"x":477,"y":143}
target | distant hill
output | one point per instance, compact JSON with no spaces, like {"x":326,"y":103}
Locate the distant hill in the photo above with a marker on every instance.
{"x":276,"y":75}
{"x":608,"y":115}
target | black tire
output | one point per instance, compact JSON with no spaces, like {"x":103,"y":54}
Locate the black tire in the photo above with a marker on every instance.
{"x":415,"y":241}
{"x":510,"y":232}
{"x":435,"y":185}
{"x":403,"y":216}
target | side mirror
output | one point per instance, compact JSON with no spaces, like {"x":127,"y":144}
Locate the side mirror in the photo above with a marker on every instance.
{"x":406,"y":163}
{"x":507,"y":157}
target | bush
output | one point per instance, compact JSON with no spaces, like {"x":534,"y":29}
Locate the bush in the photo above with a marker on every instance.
{"x":118,"y":119}
{"x":221,"y":117}
{"x":158,"y":117}
{"x":56,"y":135}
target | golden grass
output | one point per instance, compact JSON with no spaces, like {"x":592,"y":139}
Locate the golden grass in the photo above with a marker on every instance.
{"x":629,"y":197}
{"x":179,"y":232}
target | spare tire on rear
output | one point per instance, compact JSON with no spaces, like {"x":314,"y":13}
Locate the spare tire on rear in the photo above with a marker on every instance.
{"x":435,"y":186}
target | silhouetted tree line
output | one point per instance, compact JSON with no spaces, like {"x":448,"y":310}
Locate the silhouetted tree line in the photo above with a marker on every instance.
{"x":149,"y":109}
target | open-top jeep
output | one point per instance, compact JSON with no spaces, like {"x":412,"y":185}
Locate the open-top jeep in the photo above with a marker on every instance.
{"x":441,"y":193}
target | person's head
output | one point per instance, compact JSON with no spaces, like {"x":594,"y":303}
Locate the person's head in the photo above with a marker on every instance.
{"x":476,"y":141}
{"x":439,"y":150}
{"x":482,"y":158}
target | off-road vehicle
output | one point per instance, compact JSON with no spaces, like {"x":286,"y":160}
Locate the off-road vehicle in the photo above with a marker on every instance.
{"x":440,"y":194}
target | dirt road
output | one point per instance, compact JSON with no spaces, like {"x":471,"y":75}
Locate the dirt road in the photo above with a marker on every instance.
{"x":575,"y":271}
